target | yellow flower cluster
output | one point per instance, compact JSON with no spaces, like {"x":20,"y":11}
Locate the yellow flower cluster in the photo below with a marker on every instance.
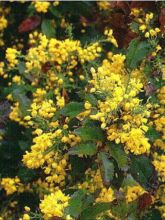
{"x":11,"y":185}
{"x":144,"y":21}
{"x":89,"y":53}
{"x":161,"y":95}
{"x":15,"y":114}
{"x":106,"y":195}
{"x":71,"y":139}
{"x":2,"y":73}
{"x":57,"y":52}
{"x":45,"y":109}
{"x":53,"y":205}
{"x":133,"y":192}
{"x":121,"y":89}
{"x":93,"y":181}
{"x":4,"y":11}
{"x":159,"y":164}
{"x":103,"y":5}
{"x":135,"y":141}
{"x":41,"y":6}
{"x":11,"y":56}
{"x":56,"y":169}
{"x":110,"y":37}
{"x":36,"y":157}
{"x":3,"y":23}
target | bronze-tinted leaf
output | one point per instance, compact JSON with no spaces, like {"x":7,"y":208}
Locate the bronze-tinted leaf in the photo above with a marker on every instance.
{"x":29,"y":24}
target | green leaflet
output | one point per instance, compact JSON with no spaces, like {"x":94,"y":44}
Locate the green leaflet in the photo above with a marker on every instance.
{"x":47,"y":28}
{"x":87,"y":148}
{"x":107,"y":168}
{"x":90,"y":133}
{"x":137,"y":51}
{"x":117,"y":152}
{"x":141,"y":169}
{"x":72,"y":109}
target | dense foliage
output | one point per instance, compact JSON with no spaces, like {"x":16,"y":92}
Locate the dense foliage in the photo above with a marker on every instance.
{"x":82,"y":123}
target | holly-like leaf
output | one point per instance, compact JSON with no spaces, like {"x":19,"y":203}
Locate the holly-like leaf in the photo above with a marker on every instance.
{"x":152,"y":134}
{"x":47,"y":28}
{"x":129,"y":181}
{"x":119,"y":155}
{"x":90,"y":133}
{"x":107,"y":168}
{"x":78,"y":202}
{"x":137,"y":51}
{"x":25,"y":174}
{"x":141,"y":169}
{"x":92,"y":212}
{"x":125,"y":210}
{"x":72,"y":109}
{"x":87,"y":148}
{"x":24,"y":102}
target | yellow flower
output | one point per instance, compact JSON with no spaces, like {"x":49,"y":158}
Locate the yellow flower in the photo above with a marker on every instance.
{"x":3,"y":23}
{"x":26,"y":217}
{"x":142,"y":28}
{"x":11,"y":56}
{"x":133,"y":192}
{"x":41,"y":6}
{"x":54,"y":204}
{"x":87,"y":105}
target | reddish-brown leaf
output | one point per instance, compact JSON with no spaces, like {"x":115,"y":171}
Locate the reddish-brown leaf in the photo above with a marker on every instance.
{"x":29,"y":24}
{"x":162,"y":20}
{"x":124,"y":6}
{"x":144,"y":201}
{"x":142,"y":4}
{"x":46,"y":67}
{"x":128,"y":37}
{"x":150,"y":89}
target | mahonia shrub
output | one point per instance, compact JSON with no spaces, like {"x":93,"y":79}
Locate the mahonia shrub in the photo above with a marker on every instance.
{"x":82,"y":123}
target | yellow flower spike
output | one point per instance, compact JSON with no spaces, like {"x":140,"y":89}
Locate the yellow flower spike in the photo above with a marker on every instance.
{"x":54,"y":204}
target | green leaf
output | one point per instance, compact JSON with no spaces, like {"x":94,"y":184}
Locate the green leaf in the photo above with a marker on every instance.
{"x":72,"y":109}
{"x":21,"y":67}
{"x":137,"y":51}
{"x":134,"y":26}
{"x":19,"y":96}
{"x":107,"y":168}
{"x":91,"y":98}
{"x":152,"y":134}
{"x":24,"y":145}
{"x":90,"y":133}
{"x":153,"y":214}
{"x":119,"y":155}
{"x":87,"y":148}
{"x":129,"y":181}
{"x":25,"y":174}
{"x":78,"y":202}
{"x":55,"y":12}
{"x":124,"y":210}
{"x":141,"y":169}
{"x":92,"y":212}
{"x":47,"y":28}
